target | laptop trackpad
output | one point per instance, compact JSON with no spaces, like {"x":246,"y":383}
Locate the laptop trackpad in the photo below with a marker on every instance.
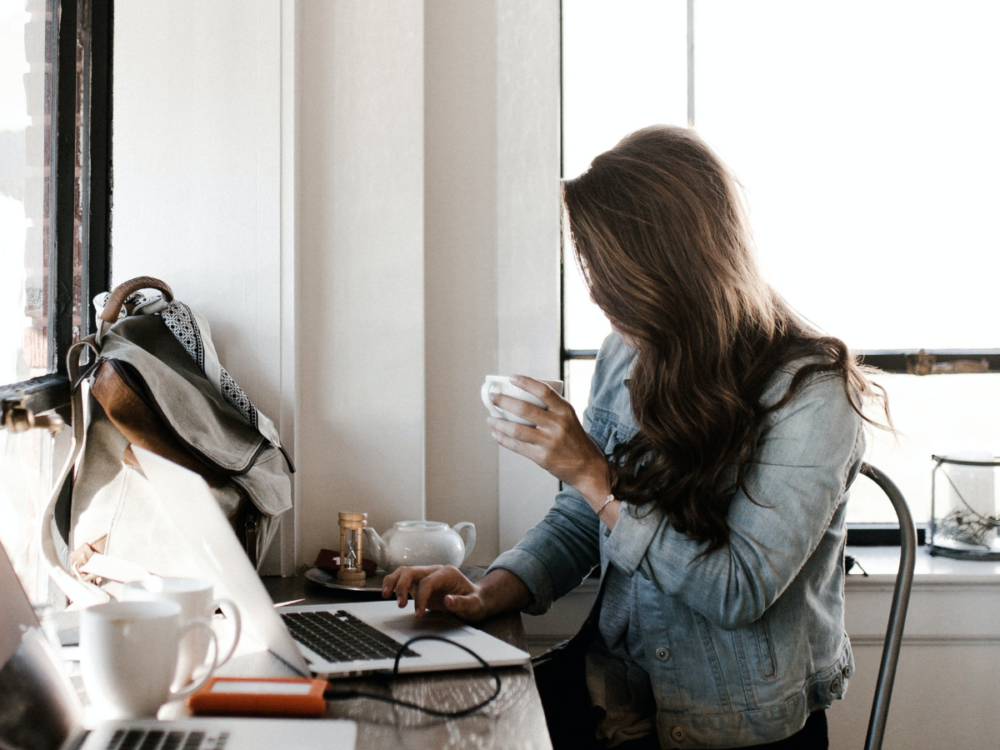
{"x":432,"y":623}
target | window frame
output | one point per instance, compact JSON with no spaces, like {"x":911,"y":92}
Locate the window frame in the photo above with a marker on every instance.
{"x":892,"y":361}
{"x":85,"y":27}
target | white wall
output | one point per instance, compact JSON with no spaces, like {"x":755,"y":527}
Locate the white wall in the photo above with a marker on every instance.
{"x":947,"y":679}
{"x":202,"y":94}
{"x":363,"y":199}
{"x":461,"y":247}
{"x":491,"y":249}
{"x":429,"y":212}
{"x":528,"y":206}
{"x":361,"y":278}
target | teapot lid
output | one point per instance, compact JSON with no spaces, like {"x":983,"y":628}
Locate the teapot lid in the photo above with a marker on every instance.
{"x":421,"y":526}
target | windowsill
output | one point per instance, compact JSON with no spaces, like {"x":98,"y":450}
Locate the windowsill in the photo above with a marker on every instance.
{"x":881,"y":563}
{"x":952,"y":602}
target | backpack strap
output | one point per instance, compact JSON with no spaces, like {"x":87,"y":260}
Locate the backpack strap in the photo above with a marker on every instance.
{"x":79,"y":592}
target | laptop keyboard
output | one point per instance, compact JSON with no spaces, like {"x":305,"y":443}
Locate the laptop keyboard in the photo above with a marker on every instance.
{"x":141,"y":739}
{"x":340,"y":636}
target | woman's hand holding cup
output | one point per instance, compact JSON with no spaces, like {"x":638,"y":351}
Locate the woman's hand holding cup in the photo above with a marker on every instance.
{"x":558,"y":443}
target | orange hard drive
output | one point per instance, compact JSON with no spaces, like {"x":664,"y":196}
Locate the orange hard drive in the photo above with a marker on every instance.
{"x":259,"y":696}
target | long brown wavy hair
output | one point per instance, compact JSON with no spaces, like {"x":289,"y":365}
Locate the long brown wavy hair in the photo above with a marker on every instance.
{"x":661,"y":237}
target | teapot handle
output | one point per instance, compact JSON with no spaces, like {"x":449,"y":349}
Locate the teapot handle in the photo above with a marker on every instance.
{"x":470,"y":538}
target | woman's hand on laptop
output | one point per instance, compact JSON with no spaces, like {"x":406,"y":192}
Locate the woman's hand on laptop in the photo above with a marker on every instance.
{"x":443,"y":588}
{"x":440,"y":588}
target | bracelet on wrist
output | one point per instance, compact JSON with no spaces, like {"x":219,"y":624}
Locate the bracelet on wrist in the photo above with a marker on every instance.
{"x":606,"y":504}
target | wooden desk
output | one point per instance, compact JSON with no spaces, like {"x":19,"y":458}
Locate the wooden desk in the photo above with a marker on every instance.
{"x":514,"y":720}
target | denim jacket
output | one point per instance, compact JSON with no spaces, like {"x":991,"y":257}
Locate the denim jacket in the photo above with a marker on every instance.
{"x":744,"y":643}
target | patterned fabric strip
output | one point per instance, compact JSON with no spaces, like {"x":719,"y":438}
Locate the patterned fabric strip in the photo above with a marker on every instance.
{"x":182,"y":324}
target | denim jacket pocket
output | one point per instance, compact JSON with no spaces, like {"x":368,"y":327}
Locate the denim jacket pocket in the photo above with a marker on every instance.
{"x":603,"y":426}
{"x":764,"y":648}
{"x":618,"y":434}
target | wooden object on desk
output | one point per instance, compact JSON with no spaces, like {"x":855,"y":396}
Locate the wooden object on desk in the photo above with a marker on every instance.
{"x":514,"y":720}
{"x":351,"y":542}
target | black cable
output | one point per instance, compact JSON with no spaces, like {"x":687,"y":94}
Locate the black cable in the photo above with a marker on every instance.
{"x":330,"y":694}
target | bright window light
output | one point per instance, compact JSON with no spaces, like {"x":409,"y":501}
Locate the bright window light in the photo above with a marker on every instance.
{"x":863,"y":134}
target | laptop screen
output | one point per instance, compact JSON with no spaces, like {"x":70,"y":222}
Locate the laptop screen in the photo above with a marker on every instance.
{"x":38,"y":706}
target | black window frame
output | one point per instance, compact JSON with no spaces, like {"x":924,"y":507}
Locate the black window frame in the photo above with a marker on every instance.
{"x":81,"y":54}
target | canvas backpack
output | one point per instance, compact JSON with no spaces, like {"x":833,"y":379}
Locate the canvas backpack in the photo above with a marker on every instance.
{"x":154,"y":380}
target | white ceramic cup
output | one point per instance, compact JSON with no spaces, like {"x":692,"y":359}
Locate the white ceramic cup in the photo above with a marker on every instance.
{"x":195,"y":597}
{"x":502,"y":384}
{"x":128,"y":656}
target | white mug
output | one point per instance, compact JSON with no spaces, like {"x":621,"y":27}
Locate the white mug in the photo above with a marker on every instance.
{"x":502,"y":384}
{"x":128,"y":656}
{"x":195,"y":597}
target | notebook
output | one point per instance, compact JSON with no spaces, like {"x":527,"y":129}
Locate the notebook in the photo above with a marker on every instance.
{"x":40,"y":708}
{"x":189,"y":503}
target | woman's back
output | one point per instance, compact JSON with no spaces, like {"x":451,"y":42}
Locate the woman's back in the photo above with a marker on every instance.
{"x":744,"y":642}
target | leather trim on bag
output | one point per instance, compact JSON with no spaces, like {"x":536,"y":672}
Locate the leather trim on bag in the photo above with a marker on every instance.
{"x":143,"y":426}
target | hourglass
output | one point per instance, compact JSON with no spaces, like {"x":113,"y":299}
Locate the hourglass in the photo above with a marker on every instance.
{"x":351,"y":536}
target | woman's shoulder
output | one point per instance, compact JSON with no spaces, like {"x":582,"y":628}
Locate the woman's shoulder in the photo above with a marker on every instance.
{"x":821,"y":388}
{"x":817,"y":425}
{"x":609,"y":386}
{"x":613,"y":365}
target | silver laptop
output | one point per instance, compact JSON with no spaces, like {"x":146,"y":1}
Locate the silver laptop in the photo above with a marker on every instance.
{"x":40,"y":708}
{"x":331,"y":640}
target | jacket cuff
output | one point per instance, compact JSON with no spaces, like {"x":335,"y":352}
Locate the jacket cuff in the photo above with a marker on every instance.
{"x":630,"y":538}
{"x":529,"y":569}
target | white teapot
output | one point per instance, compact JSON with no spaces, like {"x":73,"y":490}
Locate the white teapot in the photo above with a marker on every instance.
{"x":421,"y":543}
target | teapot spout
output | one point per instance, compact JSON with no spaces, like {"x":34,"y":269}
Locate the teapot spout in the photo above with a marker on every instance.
{"x":377,"y":547}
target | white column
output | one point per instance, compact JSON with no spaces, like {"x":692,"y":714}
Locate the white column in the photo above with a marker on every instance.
{"x":360,"y":307}
{"x":528,"y":214}
{"x":491,"y":83}
{"x":288,"y":541}
{"x":461,"y":263}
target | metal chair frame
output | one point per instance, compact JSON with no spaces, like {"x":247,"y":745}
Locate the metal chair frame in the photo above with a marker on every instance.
{"x":897,"y":611}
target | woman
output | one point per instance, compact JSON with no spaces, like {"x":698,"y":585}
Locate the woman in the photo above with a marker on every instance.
{"x":708,"y":479}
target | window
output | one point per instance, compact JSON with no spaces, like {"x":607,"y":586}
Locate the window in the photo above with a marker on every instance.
{"x":55,"y":135}
{"x":863,"y":136}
